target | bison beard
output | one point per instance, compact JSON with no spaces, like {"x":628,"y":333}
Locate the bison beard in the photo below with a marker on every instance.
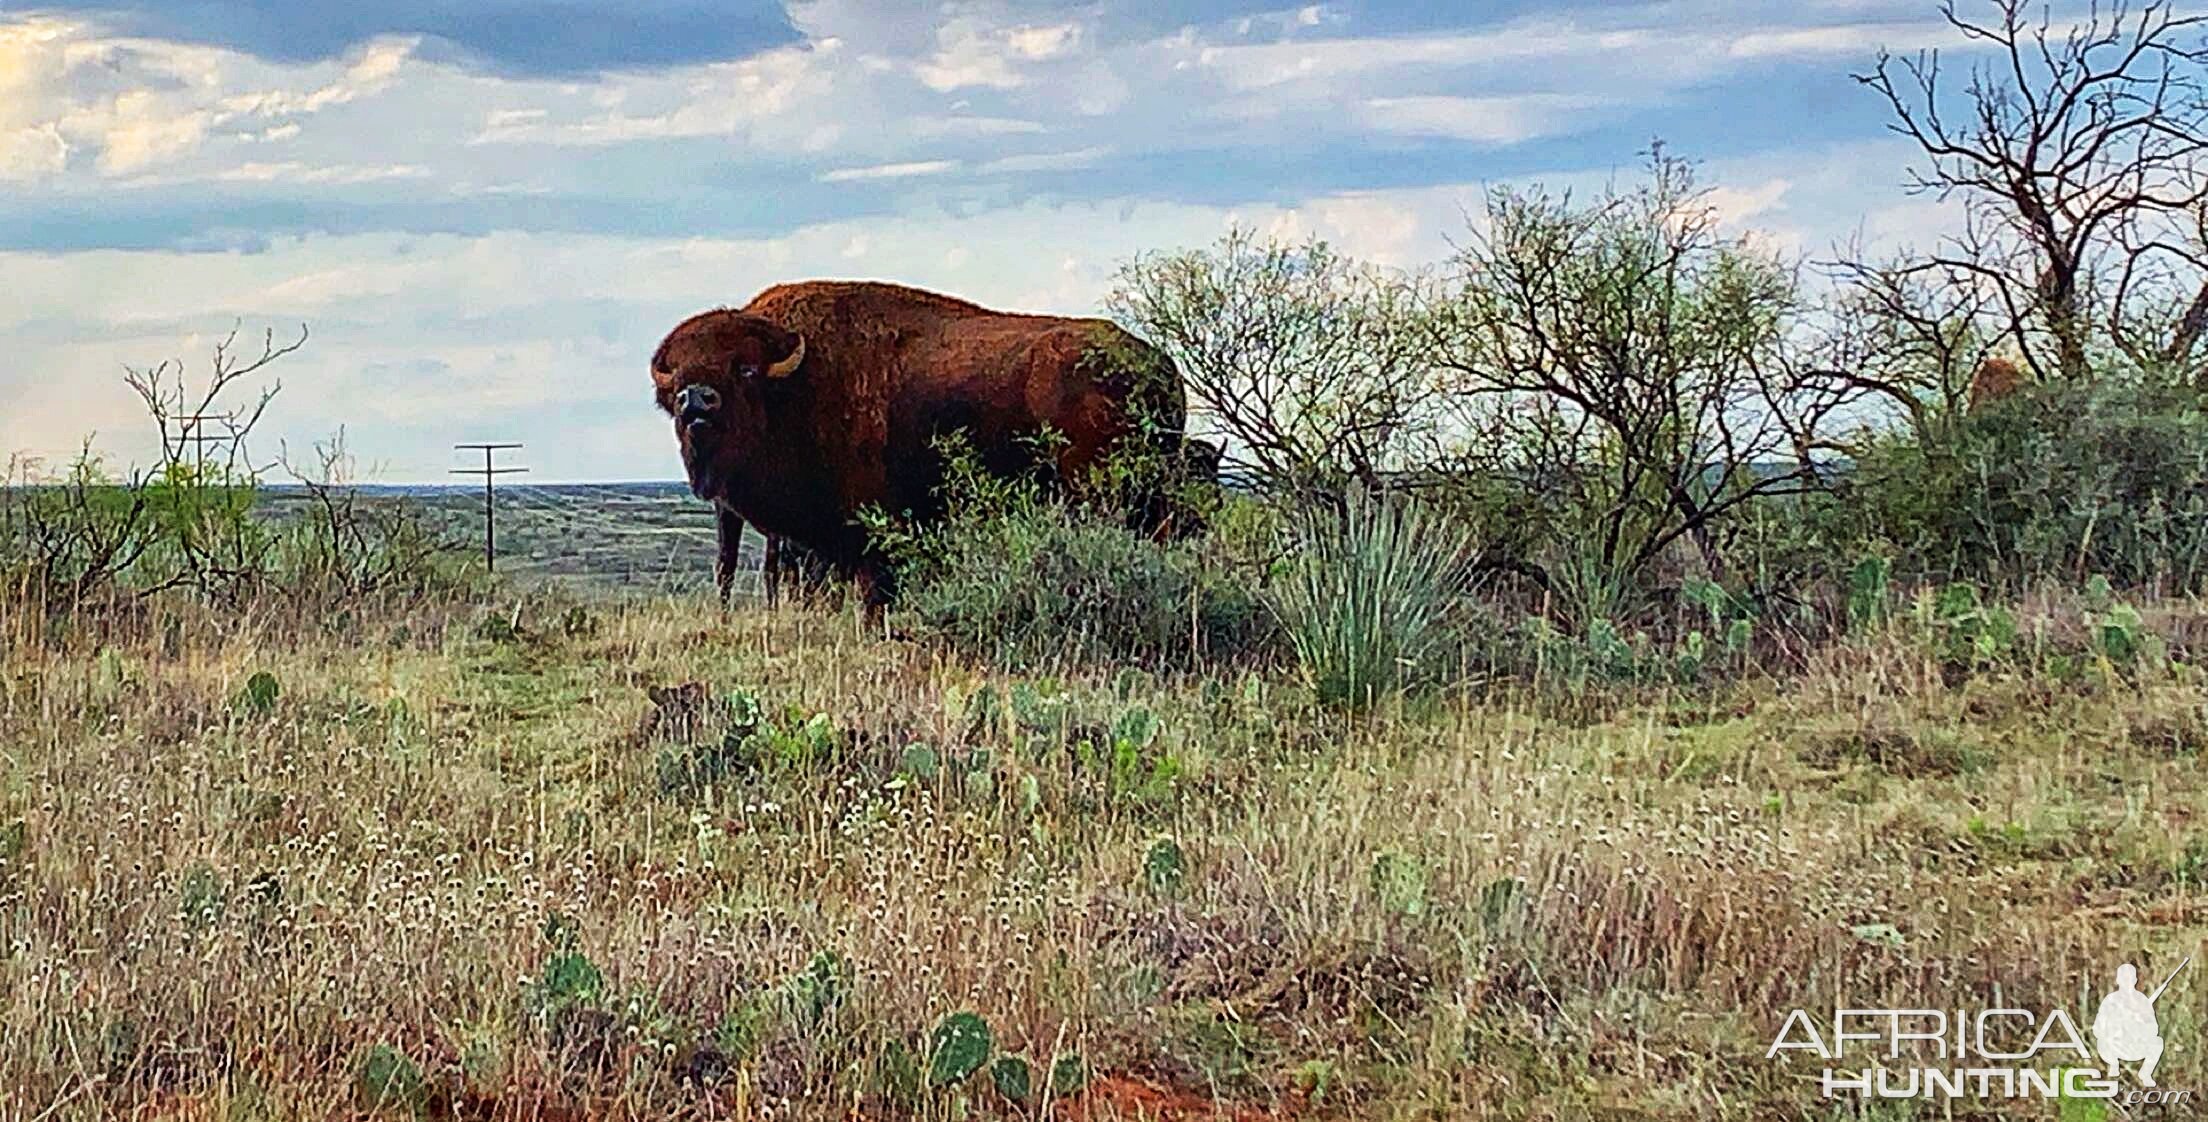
{"x":819,"y":400}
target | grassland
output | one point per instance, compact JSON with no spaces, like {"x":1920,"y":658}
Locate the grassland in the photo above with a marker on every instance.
{"x":639,"y":537}
{"x":461,"y":860}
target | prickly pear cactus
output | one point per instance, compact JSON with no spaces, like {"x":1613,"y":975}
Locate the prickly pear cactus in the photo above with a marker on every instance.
{"x":1165,"y":867}
{"x":1069,"y":1074}
{"x":1400,"y":882}
{"x":962,"y":1044}
{"x":1012,"y":1077}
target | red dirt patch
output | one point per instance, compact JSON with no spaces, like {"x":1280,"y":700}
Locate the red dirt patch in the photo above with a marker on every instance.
{"x":1115,"y":1098}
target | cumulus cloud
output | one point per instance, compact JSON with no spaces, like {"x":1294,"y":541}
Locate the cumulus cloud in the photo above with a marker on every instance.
{"x":138,"y":107}
{"x":973,"y":52}
{"x":31,"y":55}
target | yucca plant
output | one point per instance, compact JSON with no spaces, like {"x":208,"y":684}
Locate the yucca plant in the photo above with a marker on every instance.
{"x":1367,"y":601}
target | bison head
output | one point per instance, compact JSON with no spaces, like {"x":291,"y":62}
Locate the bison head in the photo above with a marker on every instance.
{"x":712,"y":375}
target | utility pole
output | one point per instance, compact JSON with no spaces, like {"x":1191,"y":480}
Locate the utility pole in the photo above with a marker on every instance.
{"x":192,"y":430}
{"x":490,"y":474}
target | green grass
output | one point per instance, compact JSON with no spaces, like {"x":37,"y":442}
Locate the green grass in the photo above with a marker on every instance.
{"x":440,"y":871}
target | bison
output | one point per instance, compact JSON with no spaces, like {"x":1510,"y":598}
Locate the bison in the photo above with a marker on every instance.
{"x":819,"y":400}
{"x":1997,"y":378}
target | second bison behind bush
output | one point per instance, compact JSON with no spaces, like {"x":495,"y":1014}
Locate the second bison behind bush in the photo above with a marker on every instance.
{"x":819,"y":400}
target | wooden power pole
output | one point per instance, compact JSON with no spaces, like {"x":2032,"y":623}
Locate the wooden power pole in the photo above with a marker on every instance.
{"x":490,"y":475}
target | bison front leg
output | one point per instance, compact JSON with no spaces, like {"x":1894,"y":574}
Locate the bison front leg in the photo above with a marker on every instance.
{"x":729,"y":531}
{"x":876,"y":583}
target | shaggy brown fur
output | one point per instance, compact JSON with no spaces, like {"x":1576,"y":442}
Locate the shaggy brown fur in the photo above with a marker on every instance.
{"x":1996,"y":378}
{"x":884,"y":371}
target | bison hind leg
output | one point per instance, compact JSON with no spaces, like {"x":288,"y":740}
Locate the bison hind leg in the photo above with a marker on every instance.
{"x":791,"y":565}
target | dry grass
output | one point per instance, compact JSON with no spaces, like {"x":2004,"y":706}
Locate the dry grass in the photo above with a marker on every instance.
{"x":1482,"y":906}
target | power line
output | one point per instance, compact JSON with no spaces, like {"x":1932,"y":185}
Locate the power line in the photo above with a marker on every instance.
{"x":490,"y":474}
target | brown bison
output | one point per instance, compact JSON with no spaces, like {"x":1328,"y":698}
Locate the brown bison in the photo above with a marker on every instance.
{"x":819,"y":400}
{"x":1996,"y":379}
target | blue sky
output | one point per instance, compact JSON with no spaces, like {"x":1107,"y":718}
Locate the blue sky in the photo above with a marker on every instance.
{"x":490,"y":212}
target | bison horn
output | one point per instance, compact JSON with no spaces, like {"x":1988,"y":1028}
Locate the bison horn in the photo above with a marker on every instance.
{"x":788,"y":366}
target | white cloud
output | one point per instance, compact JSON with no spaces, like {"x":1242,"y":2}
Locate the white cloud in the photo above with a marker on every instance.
{"x":293,"y":172}
{"x":1274,"y":64}
{"x":1046,"y":161}
{"x":1860,"y":39}
{"x":963,"y":126}
{"x":142,"y":106}
{"x":138,"y":130}
{"x":370,"y":72}
{"x":1042,"y":42}
{"x":32,"y":152}
{"x":1741,"y":206}
{"x":973,"y":52}
{"x":889,"y":171}
{"x":1488,"y":120}
{"x":773,"y":95}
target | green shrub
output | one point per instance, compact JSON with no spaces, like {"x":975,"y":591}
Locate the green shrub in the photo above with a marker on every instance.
{"x":2107,"y":477}
{"x":1368,"y":599}
{"x":1012,"y":576}
{"x":82,"y":535}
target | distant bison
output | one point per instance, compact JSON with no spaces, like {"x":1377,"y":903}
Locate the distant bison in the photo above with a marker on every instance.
{"x":1996,"y":378}
{"x":819,"y":400}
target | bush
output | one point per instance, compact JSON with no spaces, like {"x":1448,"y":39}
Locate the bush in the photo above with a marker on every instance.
{"x":2069,"y":479}
{"x":1629,"y":382}
{"x":1013,"y":577}
{"x":1307,"y":362}
{"x":1368,"y":601}
{"x":83,"y":537}
{"x":199,"y":522}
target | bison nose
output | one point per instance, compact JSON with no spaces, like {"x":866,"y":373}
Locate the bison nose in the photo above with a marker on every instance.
{"x":699,"y":402}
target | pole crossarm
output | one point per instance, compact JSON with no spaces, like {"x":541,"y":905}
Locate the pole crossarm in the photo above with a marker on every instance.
{"x":490,"y":473}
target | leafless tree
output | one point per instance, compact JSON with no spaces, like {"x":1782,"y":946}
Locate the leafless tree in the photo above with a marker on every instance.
{"x":202,"y":490}
{"x":1909,"y":338}
{"x":2076,"y":152}
{"x":192,"y":420}
{"x":347,"y":546}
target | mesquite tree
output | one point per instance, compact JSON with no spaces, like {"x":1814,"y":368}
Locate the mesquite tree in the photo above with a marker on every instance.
{"x":1633,"y":361}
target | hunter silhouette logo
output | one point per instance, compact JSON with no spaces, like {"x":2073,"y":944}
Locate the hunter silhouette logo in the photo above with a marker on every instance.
{"x":2125,"y":1028}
